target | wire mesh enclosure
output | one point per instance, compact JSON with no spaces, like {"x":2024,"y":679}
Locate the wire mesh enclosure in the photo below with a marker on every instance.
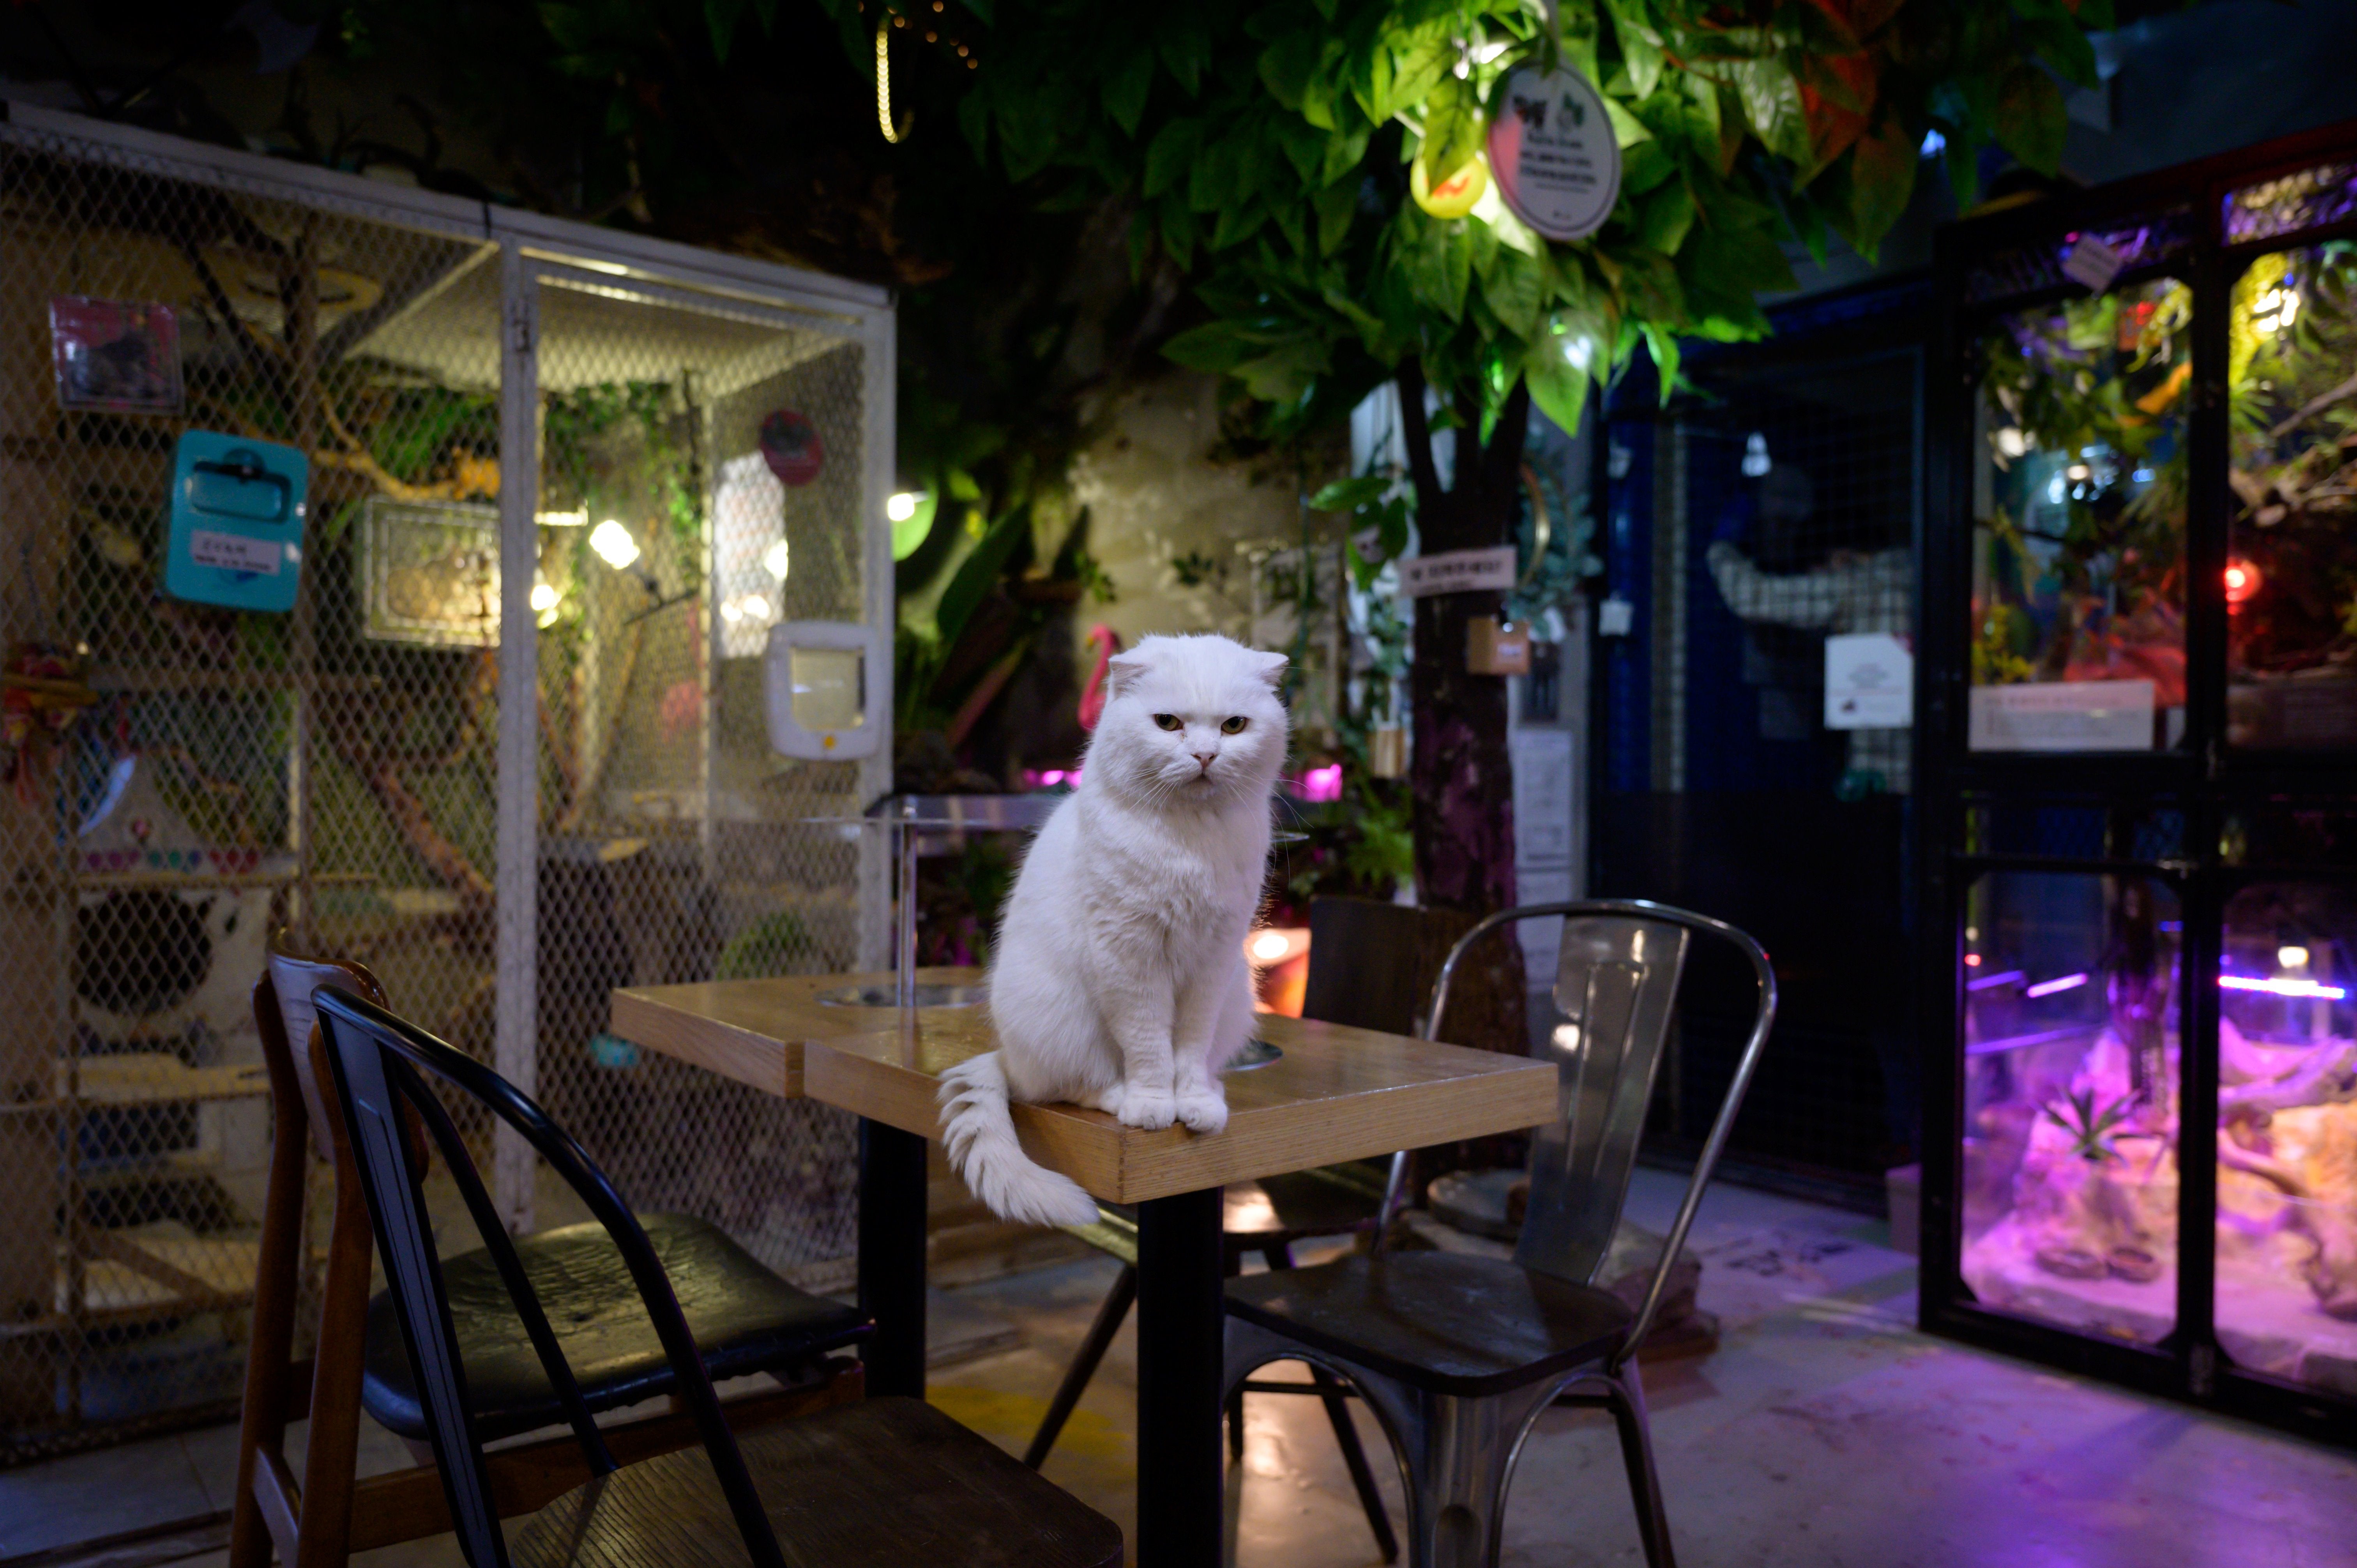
{"x":1768,"y":510}
{"x":506,"y":747}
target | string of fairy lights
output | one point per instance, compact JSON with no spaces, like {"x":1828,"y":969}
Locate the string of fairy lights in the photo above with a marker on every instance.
{"x":891,"y":18}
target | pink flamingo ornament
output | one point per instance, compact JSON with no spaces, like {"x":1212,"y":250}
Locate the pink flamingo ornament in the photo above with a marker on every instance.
{"x":1092,"y":694}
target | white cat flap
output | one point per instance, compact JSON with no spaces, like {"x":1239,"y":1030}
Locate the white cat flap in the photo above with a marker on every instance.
{"x":817,"y":690}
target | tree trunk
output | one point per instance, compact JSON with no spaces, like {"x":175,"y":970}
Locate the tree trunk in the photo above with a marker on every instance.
{"x":1458,"y":771}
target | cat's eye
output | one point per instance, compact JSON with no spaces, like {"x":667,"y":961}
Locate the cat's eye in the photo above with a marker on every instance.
{"x":1169,"y":722}
{"x":1234,"y":725}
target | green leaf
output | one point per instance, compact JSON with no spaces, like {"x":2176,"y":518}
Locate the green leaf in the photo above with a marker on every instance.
{"x":1514,"y":288}
{"x":1558,"y":387}
{"x":1667,"y":214}
{"x":1771,"y":105}
{"x":973,"y":120}
{"x":1125,"y":88}
{"x":1349,"y":494}
{"x":1881,"y":178}
{"x":978,"y":573}
{"x":720,"y":19}
{"x":1184,"y":41}
{"x":1287,"y":66}
{"x":1337,"y":205}
{"x":1453,"y":129}
{"x":1171,"y":156}
{"x":2030,"y":119}
{"x":1640,"y":46}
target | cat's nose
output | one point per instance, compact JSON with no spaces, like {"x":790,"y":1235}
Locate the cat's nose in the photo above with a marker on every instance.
{"x":1205,"y":758}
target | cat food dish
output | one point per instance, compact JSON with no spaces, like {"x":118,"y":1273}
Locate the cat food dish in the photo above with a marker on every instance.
{"x":1119,"y":981}
{"x":925,"y":996}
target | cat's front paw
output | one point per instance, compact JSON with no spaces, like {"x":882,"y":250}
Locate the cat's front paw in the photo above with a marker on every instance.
{"x":1204,"y":1111}
{"x":1149,"y":1109}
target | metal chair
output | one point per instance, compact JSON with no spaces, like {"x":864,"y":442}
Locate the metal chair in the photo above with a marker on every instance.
{"x":880,"y":1480}
{"x":1457,"y":1355}
{"x":746,"y":1319}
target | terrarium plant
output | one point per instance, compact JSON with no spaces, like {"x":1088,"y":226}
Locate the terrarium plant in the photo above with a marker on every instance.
{"x":2292,"y":376}
{"x":2090,"y":1130}
{"x":2089,"y":395}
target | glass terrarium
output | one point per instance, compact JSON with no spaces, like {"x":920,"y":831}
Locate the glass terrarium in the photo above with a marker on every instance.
{"x":2078,"y":607}
{"x":2137,"y":785}
{"x":2291,"y":569}
{"x":2287,"y":1302}
{"x":2070,"y":1101}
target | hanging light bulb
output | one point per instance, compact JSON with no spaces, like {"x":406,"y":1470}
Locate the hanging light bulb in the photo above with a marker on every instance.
{"x":613,"y":543}
{"x":1755,"y":461}
{"x":543,"y":597}
{"x":2242,"y":580}
{"x":901,"y":507}
{"x":774,"y":562}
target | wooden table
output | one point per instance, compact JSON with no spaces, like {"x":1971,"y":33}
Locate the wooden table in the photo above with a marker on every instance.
{"x":1337,"y":1094}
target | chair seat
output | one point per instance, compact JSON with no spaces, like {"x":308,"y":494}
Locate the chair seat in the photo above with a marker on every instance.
{"x":1445,"y":1322}
{"x":886,"y":1481}
{"x":1296,"y":1206}
{"x":745,"y":1319}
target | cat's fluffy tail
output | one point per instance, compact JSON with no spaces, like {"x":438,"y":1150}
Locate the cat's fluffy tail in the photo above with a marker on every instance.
{"x":980,"y":1135}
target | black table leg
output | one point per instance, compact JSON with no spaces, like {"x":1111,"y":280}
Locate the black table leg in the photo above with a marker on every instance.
{"x":1180,"y":1321}
{"x":892,"y":1257}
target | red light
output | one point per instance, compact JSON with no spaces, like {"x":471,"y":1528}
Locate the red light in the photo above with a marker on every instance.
{"x":2242,"y":580}
{"x":1973,"y":959}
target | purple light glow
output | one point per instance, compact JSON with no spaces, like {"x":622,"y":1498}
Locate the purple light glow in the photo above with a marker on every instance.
{"x":2060,"y":982}
{"x":1035,"y":778}
{"x":2283,"y":987}
{"x":1321,"y":784}
{"x":1991,"y":981}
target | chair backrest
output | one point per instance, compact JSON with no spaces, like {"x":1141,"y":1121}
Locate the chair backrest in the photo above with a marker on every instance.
{"x":1362,"y":968}
{"x":376,"y":1061}
{"x":282,"y":1016}
{"x":1616,"y":991}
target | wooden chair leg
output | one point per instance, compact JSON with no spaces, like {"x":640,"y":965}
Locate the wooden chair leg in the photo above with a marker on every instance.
{"x":261,"y":1426}
{"x":333,"y":1453}
{"x":1116,"y":1308}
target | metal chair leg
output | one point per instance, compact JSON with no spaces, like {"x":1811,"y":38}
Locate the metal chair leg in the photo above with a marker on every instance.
{"x":1627,"y":1400}
{"x":1354,"y":1456}
{"x":1118,"y":1303}
{"x":1458,"y":1452}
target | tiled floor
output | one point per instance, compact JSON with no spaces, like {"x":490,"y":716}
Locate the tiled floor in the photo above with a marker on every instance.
{"x":1824,"y":1431}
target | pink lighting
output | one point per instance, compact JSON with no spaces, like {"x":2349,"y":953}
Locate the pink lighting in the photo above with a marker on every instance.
{"x":1052,"y":778}
{"x":1321,"y":784}
{"x":2060,"y":982}
{"x":2283,"y":987}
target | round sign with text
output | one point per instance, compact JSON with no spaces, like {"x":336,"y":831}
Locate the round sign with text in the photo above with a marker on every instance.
{"x":1552,"y":151}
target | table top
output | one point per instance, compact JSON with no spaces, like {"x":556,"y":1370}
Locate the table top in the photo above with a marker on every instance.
{"x":1337,"y":1094}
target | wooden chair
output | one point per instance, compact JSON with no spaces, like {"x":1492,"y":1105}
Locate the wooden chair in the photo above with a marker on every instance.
{"x":1458,"y":1354}
{"x":747,"y":1319}
{"x":886,"y":1480}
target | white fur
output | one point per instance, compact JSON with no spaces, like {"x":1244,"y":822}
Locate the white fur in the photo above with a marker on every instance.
{"x":1119,"y":980}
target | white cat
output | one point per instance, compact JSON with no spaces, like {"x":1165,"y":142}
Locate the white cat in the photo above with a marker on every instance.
{"x":1120,"y":979}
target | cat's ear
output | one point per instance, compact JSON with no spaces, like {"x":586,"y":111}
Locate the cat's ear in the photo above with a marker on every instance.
{"x":1270,"y":667}
{"x":1124,"y":670}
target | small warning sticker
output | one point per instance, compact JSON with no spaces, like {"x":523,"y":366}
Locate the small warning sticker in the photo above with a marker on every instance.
{"x":234,"y":552}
